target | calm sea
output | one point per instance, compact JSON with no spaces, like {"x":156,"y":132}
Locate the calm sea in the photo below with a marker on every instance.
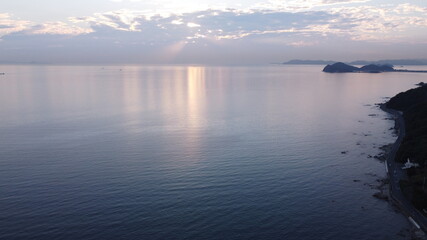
{"x":193,"y":152}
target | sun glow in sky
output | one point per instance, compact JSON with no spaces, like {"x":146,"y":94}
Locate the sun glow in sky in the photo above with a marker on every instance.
{"x":208,"y":31}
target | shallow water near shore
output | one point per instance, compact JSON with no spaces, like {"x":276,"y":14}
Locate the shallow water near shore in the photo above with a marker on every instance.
{"x":193,"y":152}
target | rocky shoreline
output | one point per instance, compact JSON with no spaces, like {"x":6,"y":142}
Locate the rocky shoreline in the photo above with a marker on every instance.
{"x":384,"y":189}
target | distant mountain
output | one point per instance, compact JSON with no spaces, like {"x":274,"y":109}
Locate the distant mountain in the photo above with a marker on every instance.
{"x":22,"y":63}
{"x":363,"y":62}
{"x":308,"y":62}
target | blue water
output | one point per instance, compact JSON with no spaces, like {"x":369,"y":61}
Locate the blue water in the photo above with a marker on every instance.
{"x":192,"y":152}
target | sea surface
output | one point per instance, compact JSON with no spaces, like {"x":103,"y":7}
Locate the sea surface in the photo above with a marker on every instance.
{"x":194,"y":152}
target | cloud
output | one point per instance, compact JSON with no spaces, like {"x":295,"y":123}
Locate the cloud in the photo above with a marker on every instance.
{"x":57,"y":28}
{"x":120,"y":1}
{"x":408,"y":8}
{"x":357,"y":22}
{"x":342,"y":1}
{"x":387,"y":23}
{"x":301,"y":5}
{"x":9,"y":25}
{"x":140,"y":36}
{"x":211,"y":24}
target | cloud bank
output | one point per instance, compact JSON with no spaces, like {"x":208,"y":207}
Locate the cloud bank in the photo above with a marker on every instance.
{"x":272,"y":31}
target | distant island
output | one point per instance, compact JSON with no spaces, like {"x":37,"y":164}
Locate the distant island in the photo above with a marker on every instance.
{"x":399,"y":62}
{"x":340,"y":67}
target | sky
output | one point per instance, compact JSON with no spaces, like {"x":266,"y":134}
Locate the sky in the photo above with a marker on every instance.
{"x":210,"y":31}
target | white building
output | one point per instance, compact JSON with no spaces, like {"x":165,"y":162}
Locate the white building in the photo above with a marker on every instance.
{"x":408,"y":165}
